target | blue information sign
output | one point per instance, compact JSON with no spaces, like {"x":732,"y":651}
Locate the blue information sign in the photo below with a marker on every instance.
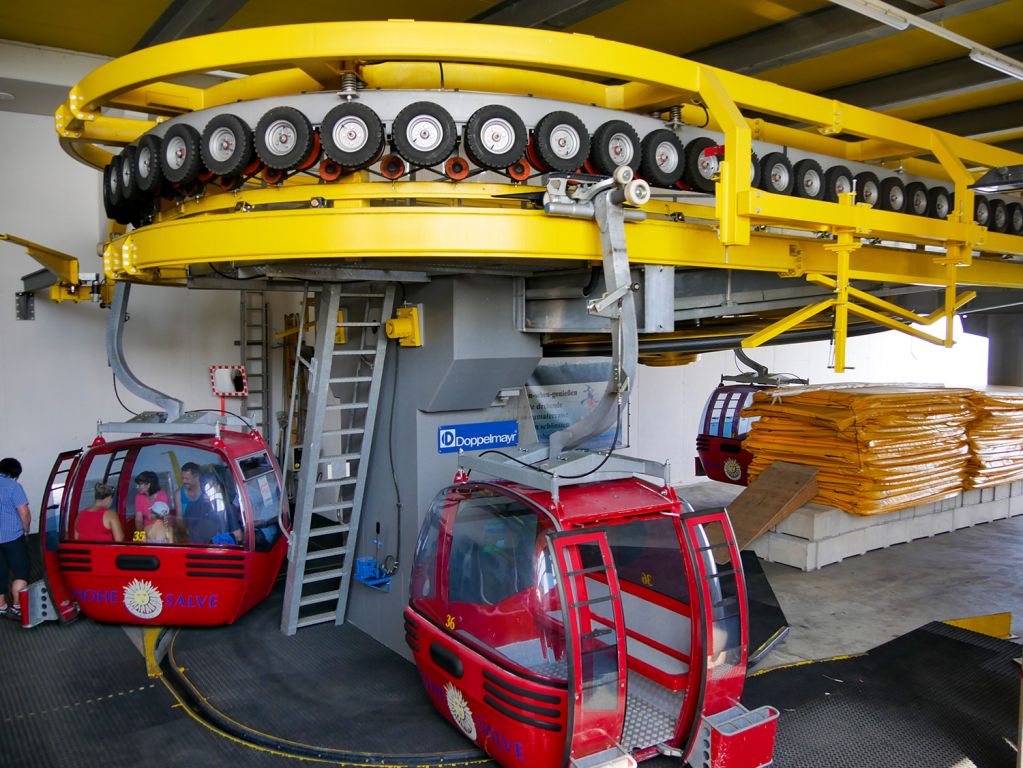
{"x":477,"y":437}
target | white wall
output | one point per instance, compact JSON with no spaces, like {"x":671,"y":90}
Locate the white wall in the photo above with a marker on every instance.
{"x":667,"y":402}
{"x":54,"y":381}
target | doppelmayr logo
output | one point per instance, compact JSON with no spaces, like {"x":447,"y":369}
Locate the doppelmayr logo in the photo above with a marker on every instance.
{"x":477,"y":437}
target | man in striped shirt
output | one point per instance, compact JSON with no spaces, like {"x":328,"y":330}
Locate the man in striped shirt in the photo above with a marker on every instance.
{"x":15,"y":519}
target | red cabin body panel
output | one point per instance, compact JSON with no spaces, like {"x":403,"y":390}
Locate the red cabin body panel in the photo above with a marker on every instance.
{"x":227,"y":545}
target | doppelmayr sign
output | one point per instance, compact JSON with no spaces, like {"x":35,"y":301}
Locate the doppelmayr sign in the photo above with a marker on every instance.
{"x":477,"y":437}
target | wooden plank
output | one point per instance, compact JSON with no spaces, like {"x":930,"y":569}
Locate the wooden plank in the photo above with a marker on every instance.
{"x":779,"y":491}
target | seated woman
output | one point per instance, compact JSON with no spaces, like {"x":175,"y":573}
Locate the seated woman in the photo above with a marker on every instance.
{"x":99,"y":522}
{"x":160,"y":530}
{"x":148,"y":493}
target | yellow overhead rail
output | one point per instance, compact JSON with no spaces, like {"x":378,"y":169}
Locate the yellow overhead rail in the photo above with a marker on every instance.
{"x":747,"y":228}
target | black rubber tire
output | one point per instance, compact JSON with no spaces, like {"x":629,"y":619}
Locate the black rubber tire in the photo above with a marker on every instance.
{"x":148,"y":175}
{"x":776,"y":174}
{"x":981,"y":210}
{"x":663,"y":158}
{"x":236,"y":147}
{"x":347,"y":123}
{"x":109,"y":208}
{"x":808,"y":180}
{"x":129,"y":174}
{"x":835,"y":176}
{"x":277,"y":128}
{"x":892,"y":195}
{"x":999,"y":216}
{"x":916,"y":198}
{"x":939,"y":203}
{"x":115,"y":183}
{"x":506,"y":126}
{"x":614,"y":144}
{"x":180,"y":161}
{"x":868,"y":188}
{"x":699,"y":172}
{"x":438,"y":147}
{"x":1014,"y":219}
{"x":754,"y":170}
{"x":542,"y":142}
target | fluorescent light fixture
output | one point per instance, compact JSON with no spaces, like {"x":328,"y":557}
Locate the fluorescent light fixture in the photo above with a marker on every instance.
{"x":882,"y":12}
{"x":1000,"y":63}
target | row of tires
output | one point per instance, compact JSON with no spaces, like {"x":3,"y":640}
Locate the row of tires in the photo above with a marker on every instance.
{"x":351,"y":136}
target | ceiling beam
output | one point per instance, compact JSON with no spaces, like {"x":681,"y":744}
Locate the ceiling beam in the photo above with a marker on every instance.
{"x":946,"y":78}
{"x":543,"y":14}
{"x":188,"y":18}
{"x":811,"y":35}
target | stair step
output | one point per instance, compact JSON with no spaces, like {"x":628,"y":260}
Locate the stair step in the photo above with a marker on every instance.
{"x":339,"y":457}
{"x":351,"y":380}
{"x":326,"y":530}
{"x":341,"y":352}
{"x":335,"y":483}
{"x":347,"y":406}
{"x":316,"y":618}
{"x":348,"y":431}
{"x":319,"y":597}
{"x":359,"y":324}
{"x":320,"y":554}
{"x":333,"y":573}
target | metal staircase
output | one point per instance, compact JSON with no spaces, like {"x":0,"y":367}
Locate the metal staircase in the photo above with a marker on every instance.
{"x":255,"y":356}
{"x":344,"y":391}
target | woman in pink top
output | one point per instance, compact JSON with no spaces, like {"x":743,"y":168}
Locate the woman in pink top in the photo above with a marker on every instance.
{"x":99,"y":522}
{"x":148,"y":492}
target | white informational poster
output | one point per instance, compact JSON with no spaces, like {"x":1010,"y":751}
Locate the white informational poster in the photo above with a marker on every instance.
{"x":563,"y":390}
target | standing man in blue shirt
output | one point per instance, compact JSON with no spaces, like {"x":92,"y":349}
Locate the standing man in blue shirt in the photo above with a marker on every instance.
{"x":15,"y":519}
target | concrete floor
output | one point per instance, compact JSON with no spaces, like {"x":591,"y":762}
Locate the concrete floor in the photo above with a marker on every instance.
{"x":852,"y":606}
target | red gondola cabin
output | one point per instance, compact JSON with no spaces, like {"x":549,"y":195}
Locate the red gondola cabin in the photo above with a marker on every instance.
{"x":199,"y":521}
{"x":722,"y":429}
{"x":596,"y":627}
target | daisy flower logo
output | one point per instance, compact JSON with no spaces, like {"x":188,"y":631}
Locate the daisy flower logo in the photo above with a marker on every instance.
{"x":142,"y":599}
{"x":733,"y":470}
{"x":460,"y":711}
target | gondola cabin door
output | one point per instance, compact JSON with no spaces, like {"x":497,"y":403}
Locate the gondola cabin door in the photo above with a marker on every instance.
{"x":596,"y":642}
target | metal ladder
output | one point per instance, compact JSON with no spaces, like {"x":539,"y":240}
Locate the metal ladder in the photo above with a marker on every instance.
{"x":255,"y":356}
{"x":344,"y":391}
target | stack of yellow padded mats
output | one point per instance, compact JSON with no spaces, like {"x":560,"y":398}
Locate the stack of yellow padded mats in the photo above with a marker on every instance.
{"x":877,"y":448}
{"x":996,"y":437}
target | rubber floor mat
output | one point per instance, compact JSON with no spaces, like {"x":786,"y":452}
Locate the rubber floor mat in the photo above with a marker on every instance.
{"x":939,"y":696}
{"x":326,"y":686}
{"x":77,"y":696}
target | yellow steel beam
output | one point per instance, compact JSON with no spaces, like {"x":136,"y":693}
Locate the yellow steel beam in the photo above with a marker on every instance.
{"x":895,"y":325}
{"x":734,"y":181}
{"x":571,"y":55}
{"x":62,"y":265}
{"x":497,"y":233}
{"x":787,"y":323}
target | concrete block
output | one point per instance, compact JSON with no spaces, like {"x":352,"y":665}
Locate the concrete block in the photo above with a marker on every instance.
{"x":971,"y":497}
{"x":1016,"y":488}
{"x":761,"y":545}
{"x":1000,"y":508}
{"x":1002,"y":491}
{"x":1015,"y":505}
{"x":987,"y":494}
{"x":800,"y":523}
{"x":789,"y":550}
{"x":837,"y":548}
{"x":978,"y":513}
{"x":942,"y":522}
{"x":878,"y":536}
{"x":950,"y":503}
